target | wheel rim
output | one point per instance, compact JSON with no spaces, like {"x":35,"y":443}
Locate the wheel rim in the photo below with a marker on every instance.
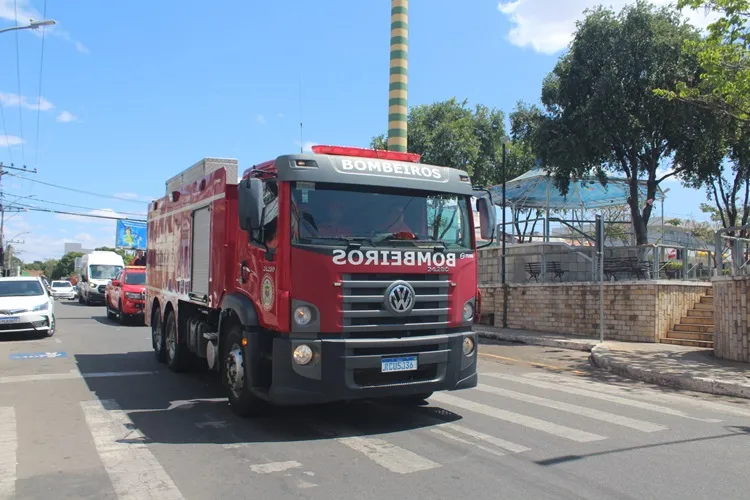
{"x":156,"y":332}
{"x":171,"y":340}
{"x":235,"y":370}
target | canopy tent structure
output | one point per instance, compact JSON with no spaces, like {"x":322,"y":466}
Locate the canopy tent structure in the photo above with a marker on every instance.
{"x":536,"y":189}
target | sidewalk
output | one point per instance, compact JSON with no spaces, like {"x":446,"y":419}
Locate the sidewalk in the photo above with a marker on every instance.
{"x":669,"y":365}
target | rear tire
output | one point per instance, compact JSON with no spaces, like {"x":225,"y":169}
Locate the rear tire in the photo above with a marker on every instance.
{"x":121,"y":315}
{"x":157,"y":335}
{"x":235,"y":375}
{"x":177,"y":353}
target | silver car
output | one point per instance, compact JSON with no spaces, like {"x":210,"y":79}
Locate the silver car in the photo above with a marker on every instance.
{"x":60,"y":289}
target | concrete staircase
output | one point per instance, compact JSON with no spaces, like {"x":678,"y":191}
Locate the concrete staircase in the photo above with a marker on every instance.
{"x":696,"y":329}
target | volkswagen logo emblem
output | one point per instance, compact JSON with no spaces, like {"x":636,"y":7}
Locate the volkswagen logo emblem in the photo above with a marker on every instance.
{"x":399,"y":298}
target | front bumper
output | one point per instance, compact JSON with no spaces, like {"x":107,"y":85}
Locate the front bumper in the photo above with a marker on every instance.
{"x":67,"y":295}
{"x":347,"y":369}
{"x":25,"y":323}
{"x":133,"y":307}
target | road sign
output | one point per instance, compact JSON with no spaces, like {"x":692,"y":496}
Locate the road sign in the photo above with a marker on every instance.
{"x":38,"y":355}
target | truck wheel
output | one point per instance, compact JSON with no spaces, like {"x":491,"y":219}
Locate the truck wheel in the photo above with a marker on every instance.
{"x":235,"y":376}
{"x":110,"y":314}
{"x":177,"y":353}
{"x":121,"y":315}
{"x":157,"y":335}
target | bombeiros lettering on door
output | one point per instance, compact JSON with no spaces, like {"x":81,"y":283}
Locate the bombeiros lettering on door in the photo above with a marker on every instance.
{"x":386,"y":167}
{"x":438,"y":262}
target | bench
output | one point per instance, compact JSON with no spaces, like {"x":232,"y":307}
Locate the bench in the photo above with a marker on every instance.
{"x":535,"y":269}
{"x":630,"y":265}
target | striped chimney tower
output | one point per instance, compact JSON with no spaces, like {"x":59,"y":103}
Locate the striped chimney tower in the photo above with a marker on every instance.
{"x":397,"y":104}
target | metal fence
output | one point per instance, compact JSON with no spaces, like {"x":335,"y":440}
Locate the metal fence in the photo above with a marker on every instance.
{"x":732,"y":251}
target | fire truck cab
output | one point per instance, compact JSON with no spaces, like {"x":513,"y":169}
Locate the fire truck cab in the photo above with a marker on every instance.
{"x":342,"y":274}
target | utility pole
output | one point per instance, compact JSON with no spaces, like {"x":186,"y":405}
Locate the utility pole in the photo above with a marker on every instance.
{"x":4,"y":170}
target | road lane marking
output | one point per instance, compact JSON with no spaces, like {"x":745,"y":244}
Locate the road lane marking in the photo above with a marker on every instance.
{"x":589,"y":393}
{"x":133,"y":470}
{"x":71,"y":375}
{"x":647,"y":392}
{"x":480,"y":436}
{"x":272,"y":467}
{"x":518,"y":419}
{"x":448,"y":435}
{"x":390,"y":456}
{"x":582,"y":411}
{"x":8,"y":449}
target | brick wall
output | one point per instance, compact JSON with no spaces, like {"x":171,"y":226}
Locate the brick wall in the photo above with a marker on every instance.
{"x":731,"y":318}
{"x":633,"y":311}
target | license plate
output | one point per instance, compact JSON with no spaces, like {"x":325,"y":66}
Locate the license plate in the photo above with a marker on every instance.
{"x":403,"y":364}
{"x":10,"y":319}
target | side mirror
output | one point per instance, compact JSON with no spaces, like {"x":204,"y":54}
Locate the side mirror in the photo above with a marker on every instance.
{"x":250,"y":197}
{"x":487,"y":217}
{"x":116,"y":283}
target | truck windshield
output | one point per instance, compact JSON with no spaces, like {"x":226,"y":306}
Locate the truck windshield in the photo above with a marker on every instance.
{"x":332,"y":214}
{"x":135,"y":278}
{"x":104,"y":271}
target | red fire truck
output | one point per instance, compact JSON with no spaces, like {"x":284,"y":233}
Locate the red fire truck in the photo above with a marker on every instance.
{"x":343,"y":274}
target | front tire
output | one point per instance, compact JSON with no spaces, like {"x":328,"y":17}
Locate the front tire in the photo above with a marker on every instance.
{"x":53,"y":325}
{"x":121,"y":315}
{"x":235,"y":375}
{"x":157,"y":335}
{"x":177,"y":353}
{"x":110,"y":314}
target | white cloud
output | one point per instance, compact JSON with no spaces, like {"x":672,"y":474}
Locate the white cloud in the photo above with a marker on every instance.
{"x":13,"y":100}
{"x":66,"y":117}
{"x":9,"y":140}
{"x":261,"y":119}
{"x":81,"y":48}
{"x":281,"y":116}
{"x":26,"y":12}
{"x":547,"y":26}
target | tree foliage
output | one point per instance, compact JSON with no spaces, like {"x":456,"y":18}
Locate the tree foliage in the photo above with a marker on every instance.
{"x":452,"y":134}
{"x":601,"y":115}
{"x":723,"y":82}
{"x":64,"y":267}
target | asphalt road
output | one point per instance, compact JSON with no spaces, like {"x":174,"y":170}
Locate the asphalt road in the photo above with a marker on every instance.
{"x":97,"y":418}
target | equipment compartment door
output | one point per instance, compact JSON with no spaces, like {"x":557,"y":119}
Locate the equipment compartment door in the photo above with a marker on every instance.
{"x":201,"y":261}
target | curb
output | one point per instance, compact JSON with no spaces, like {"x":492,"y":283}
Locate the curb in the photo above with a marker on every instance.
{"x":601,"y":358}
{"x":576,"y":345}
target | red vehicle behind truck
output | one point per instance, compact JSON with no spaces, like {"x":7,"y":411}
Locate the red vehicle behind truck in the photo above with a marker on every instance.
{"x":124,"y":296}
{"x":343,"y":274}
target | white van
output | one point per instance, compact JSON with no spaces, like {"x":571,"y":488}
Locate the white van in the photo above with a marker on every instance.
{"x":97,"y":269}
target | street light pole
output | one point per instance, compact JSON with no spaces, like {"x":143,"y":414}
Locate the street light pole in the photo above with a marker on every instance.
{"x":33,"y":25}
{"x":502,"y":257}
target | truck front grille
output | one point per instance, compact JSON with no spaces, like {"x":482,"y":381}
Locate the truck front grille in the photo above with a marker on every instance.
{"x":364,"y":304}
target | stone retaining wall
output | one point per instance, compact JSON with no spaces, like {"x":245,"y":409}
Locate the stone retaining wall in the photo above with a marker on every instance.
{"x":634,"y":311}
{"x":731,"y":318}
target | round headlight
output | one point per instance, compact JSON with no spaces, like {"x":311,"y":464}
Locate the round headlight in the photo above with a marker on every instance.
{"x":302,"y":354}
{"x":468,"y":311}
{"x":302,"y":315}
{"x":468,"y":346}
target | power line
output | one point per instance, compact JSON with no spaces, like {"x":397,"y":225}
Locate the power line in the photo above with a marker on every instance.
{"x":71,"y":206}
{"x":78,"y":214}
{"x":39,"y":98}
{"x":18,"y":79}
{"x":78,"y":190}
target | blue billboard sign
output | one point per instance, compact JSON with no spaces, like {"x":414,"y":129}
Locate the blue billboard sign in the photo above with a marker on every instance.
{"x":131,"y":235}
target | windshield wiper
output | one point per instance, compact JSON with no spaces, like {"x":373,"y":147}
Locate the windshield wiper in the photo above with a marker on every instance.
{"x":439,"y":245}
{"x":352,"y":241}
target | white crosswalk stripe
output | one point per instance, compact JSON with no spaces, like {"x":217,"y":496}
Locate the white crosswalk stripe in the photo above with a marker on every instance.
{"x":594,"y":394}
{"x":134,"y":471}
{"x":604,"y":416}
{"x":518,"y":419}
{"x":8,"y":446}
{"x":392,"y":457}
{"x":486,"y":438}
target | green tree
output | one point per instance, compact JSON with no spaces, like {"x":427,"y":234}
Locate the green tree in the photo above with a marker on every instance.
{"x":723,"y":82}
{"x":601,"y":115}
{"x":64,"y":267}
{"x":452,"y":134}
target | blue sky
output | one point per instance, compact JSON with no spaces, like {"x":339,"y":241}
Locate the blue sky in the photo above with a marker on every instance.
{"x":133,"y":93}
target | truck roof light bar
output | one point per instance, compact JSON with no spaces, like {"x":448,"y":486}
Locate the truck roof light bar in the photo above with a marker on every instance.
{"x":366,"y":153}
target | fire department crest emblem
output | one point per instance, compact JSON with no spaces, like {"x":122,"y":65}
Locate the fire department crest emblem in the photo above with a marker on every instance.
{"x":267,"y":292}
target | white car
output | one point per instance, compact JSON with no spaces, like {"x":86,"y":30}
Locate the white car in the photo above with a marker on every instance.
{"x":26,"y":306}
{"x":63,"y":290}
